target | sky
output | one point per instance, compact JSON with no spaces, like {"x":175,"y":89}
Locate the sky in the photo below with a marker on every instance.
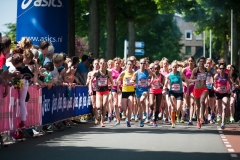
{"x":8,"y":14}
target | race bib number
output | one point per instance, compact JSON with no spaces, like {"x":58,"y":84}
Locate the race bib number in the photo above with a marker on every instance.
{"x":128,"y":81}
{"x":156,"y":85}
{"x":201,"y":76}
{"x":142,"y":83}
{"x":222,"y":89}
{"x":208,"y":80}
{"x":102,"y":82}
{"x":176,"y":87}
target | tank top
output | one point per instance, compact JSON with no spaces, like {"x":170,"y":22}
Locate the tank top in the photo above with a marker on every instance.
{"x":156,"y":85}
{"x":201,"y":76}
{"x":127,"y":85}
{"x":188,"y":73}
{"x":142,"y":81}
{"x":115,"y":75}
{"x":164,"y":73}
{"x":222,"y":84}
{"x":94,"y":85}
{"x":209,"y":80}
{"x":176,"y":82}
{"x":102,"y":82}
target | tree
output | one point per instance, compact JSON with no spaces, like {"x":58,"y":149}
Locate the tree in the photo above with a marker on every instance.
{"x":161,"y":38}
{"x":111,"y":30}
{"x":136,"y":12}
{"x":94,"y":27}
{"x":11,"y":31}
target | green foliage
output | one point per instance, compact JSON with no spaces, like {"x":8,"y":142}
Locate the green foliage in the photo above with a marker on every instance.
{"x":11,"y":31}
{"x":161,"y":38}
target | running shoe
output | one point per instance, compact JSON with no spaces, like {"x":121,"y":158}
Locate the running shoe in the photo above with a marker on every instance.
{"x":144,"y":115}
{"x":132,"y":117}
{"x":231,"y":119}
{"x":109,"y":119}
{"x":129,"y":125}
{"x":222,"y":125}
{"x":182,"y":120}
{"x":126,"y":120}
{"x":212,"y":116}
{"x":173,"y":125}
{"x":141,"y":124}
{"x":136,"y":118}
{"x":96,"y":122}
{"x":123,"y":115}
{"x":117,"y":123}
{"x":155,"y":124}
{"x":206,"y":121}
{"x":102,"y":124}
{"x":227,"y":120}
{"x":146,"y":120}
{"x":190,"y":123}
{"x":194,"y":117}
{"x":114,"y":119}
{"x":199,"y":125}
{"x":178,"y":120}
{"x":160,"y":115}
{"x":219,"y":118}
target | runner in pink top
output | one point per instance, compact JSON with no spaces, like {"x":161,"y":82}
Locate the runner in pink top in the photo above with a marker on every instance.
{"x":166,"y":104}
{"x":117,"y":92}
{"x":155,"y":92}
{"x":188,"y":88}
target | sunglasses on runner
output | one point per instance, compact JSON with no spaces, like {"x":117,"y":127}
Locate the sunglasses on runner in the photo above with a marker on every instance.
{"x":222,"y":68}
{"x":143,"y":63}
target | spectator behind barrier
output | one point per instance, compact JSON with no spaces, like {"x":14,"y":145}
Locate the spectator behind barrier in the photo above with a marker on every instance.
{"x":49,"y":54}
{"x":81,"y":72}
{"x":6,"y":46}
{"x":57,"y":61}
{"x":43,"y":48}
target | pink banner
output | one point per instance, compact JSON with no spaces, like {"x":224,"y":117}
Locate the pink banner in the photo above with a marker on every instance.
{"x":10,"y":111}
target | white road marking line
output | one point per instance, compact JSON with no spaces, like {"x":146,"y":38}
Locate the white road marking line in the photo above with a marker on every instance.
{"x":228,"y":145}
{"x":231,"y":150}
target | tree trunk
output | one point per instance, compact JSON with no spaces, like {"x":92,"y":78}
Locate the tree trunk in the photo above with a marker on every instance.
{"x":131,"y":37}
{"x":226,"y":48}
{"x":71,"y":28}
{"x":235,"y":41}
{"x":111,"y":30}
{"x":94,"y":28}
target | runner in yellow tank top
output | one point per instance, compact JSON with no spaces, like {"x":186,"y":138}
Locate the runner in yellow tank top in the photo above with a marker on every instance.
{"x":128,"y":91}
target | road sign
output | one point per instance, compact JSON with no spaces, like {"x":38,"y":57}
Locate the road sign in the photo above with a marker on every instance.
{"x":139,"y":44}
{"x":139,"y":52}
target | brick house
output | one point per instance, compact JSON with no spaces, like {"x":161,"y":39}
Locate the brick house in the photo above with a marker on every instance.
{"x":192,"y":44}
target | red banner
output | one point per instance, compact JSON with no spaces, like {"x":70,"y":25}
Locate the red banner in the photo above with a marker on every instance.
{"x":10,"y":111}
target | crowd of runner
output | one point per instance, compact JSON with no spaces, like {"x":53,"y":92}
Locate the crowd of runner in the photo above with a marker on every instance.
{"x":129,"y":89}
{"x":177,"y":92}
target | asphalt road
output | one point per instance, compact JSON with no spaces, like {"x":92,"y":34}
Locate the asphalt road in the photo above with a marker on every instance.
{"x":87,"y":142}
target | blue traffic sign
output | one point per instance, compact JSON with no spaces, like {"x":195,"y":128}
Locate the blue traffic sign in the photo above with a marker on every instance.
{"x":139,"y":52}
{"x":139,"y":44}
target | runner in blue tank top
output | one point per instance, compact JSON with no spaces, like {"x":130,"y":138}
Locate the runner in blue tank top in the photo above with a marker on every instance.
{"x":142,"y":87}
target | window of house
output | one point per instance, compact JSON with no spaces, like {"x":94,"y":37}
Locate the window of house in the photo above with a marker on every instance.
{"x":188,"y":35}
{"x":199,"y":37}
{"x":188,"y":49}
